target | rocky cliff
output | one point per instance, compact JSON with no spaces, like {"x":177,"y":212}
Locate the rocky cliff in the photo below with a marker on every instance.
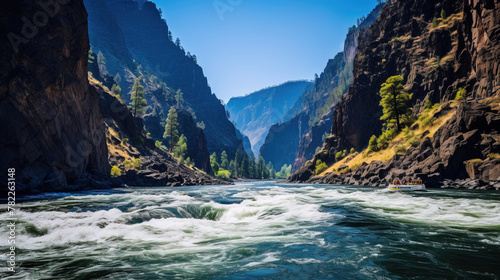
{"x":127,"y":144}
{"x":53,"y":131}
{"x":125,"y":29}
{"x":435,"y":59}
{"x":253,"y":114}
{"x":315,"y":106}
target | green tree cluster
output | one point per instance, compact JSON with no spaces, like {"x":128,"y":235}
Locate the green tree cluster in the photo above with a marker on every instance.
{"x":320,"y":167}
{"x":137,"y":101}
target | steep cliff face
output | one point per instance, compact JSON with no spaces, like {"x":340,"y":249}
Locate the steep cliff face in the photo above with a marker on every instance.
{"x":282,"y":138}
{"x":434,"y":59}
{"x":254,"y":113}
{"x":318,"y":102}
{"x":146,"y":37}
{"x":54,"y":133}
{"x":127,"y":143}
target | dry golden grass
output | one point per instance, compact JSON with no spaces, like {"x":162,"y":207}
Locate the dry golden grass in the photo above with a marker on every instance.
{"x":386,"y":154}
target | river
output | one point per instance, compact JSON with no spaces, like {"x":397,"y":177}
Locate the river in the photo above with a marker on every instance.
{"x":260,"y":230}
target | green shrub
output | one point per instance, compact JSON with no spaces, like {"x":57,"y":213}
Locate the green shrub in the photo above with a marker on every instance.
{"x":461,"y":94}
{"x":435,"y":22}
{"x":115,"y":171}
{"x":426,"y":119}
{"x":320,"y":167}
{"x":225,"y":174}
{"x":158,"y":144}
{"x":400,"y":149}
{"x":384,"y":60}
{"x":137,"y":163}
{"x":352,"y":151}
{"x":414,"y":141}
{"x":340,"y":155}
{"x":372,"y":144}
{"x":443,"y":14}
{"x":428,"y":104}
{"x":128,"y":164}
{"x":125,"y":140}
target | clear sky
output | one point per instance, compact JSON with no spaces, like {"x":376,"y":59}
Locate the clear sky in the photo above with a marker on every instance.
{"x":247,"y":45}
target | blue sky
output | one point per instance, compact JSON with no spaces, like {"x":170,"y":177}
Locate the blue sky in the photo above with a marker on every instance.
{"x":246,"y":45}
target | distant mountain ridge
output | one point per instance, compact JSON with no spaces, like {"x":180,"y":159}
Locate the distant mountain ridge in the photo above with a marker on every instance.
{"x":310,"y":118}
{"x":255,"y":113}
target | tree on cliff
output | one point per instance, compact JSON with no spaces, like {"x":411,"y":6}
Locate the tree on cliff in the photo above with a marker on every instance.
{"x":394,"y":102}
{"x":171,"y":132}
{"x":137,"y":102}
{"x":181,"y":148}
{"x":179,"y":98}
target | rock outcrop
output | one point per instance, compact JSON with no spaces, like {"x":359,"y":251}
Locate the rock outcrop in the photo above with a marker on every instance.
{"x":435,"y":60}
{"x":53,"y":131}
{"x":465,"y":147}
{"x":127,"y":142}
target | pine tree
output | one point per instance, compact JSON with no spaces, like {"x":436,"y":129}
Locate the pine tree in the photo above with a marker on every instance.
{"x":224,"y":163}
{"x":179,"y":98}
{"x":117,"y":90}
{"x":394,"y":101}
{"x":245,"y":168}
{"x":261,"y":168}
{"x":251,"y":166}
{"x":180,"y":150}
{"x":213,"y":163}
{"x":237,"y":163}
{"x":171,"y":132}
{"x":137,"y":101}
{"x":117,"y":78}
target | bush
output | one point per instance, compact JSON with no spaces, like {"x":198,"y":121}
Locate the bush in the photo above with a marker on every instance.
{"x":320,"y":167}
{"x":125,"y":140}
{"x":435,"y":22}
{"x":401,"y":149}
{"x":352,"y":151}
{"x":340,"y":155}
{"x":414,"y":141}
{"x":158,"y":144}
{"x":372,"y":144}
{"x":428,"y":104}
{"x":137,"y":163}
{"x":426,"y":119}
{"x":115,"y":171}
{"x":225,"y":174}
{"x":128,"y":164}
{"x":461,"y":94}
{"x":443,"y":14}
{"x":494,"y":155}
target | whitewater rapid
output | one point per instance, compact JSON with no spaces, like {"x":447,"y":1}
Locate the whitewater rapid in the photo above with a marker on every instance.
{"x":248,"y":230}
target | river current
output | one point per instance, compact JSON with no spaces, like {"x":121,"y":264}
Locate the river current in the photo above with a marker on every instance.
{"x":260,"y":230}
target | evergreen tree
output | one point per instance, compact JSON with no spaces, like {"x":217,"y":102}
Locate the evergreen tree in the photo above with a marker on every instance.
{"x":117,"y":78}
{"x":137,"y":101}
{"x":178,"y":42}
{"x":180,"y":150}
{"x":171,"y":132}
{"x":237,"y":163}
{"x":251,"y":166}
{"x":179,"y":98}
{"x":443,"y":14}
{"x":394,"y":101}
{"x":224,"y":163}
{"x":245,"y":168}
{"x":117,"y":90}
{"x":214,"y":164}
{"x":261,"y":168}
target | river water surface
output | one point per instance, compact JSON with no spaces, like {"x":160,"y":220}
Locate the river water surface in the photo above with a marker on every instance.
{"x":257,"y":230}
